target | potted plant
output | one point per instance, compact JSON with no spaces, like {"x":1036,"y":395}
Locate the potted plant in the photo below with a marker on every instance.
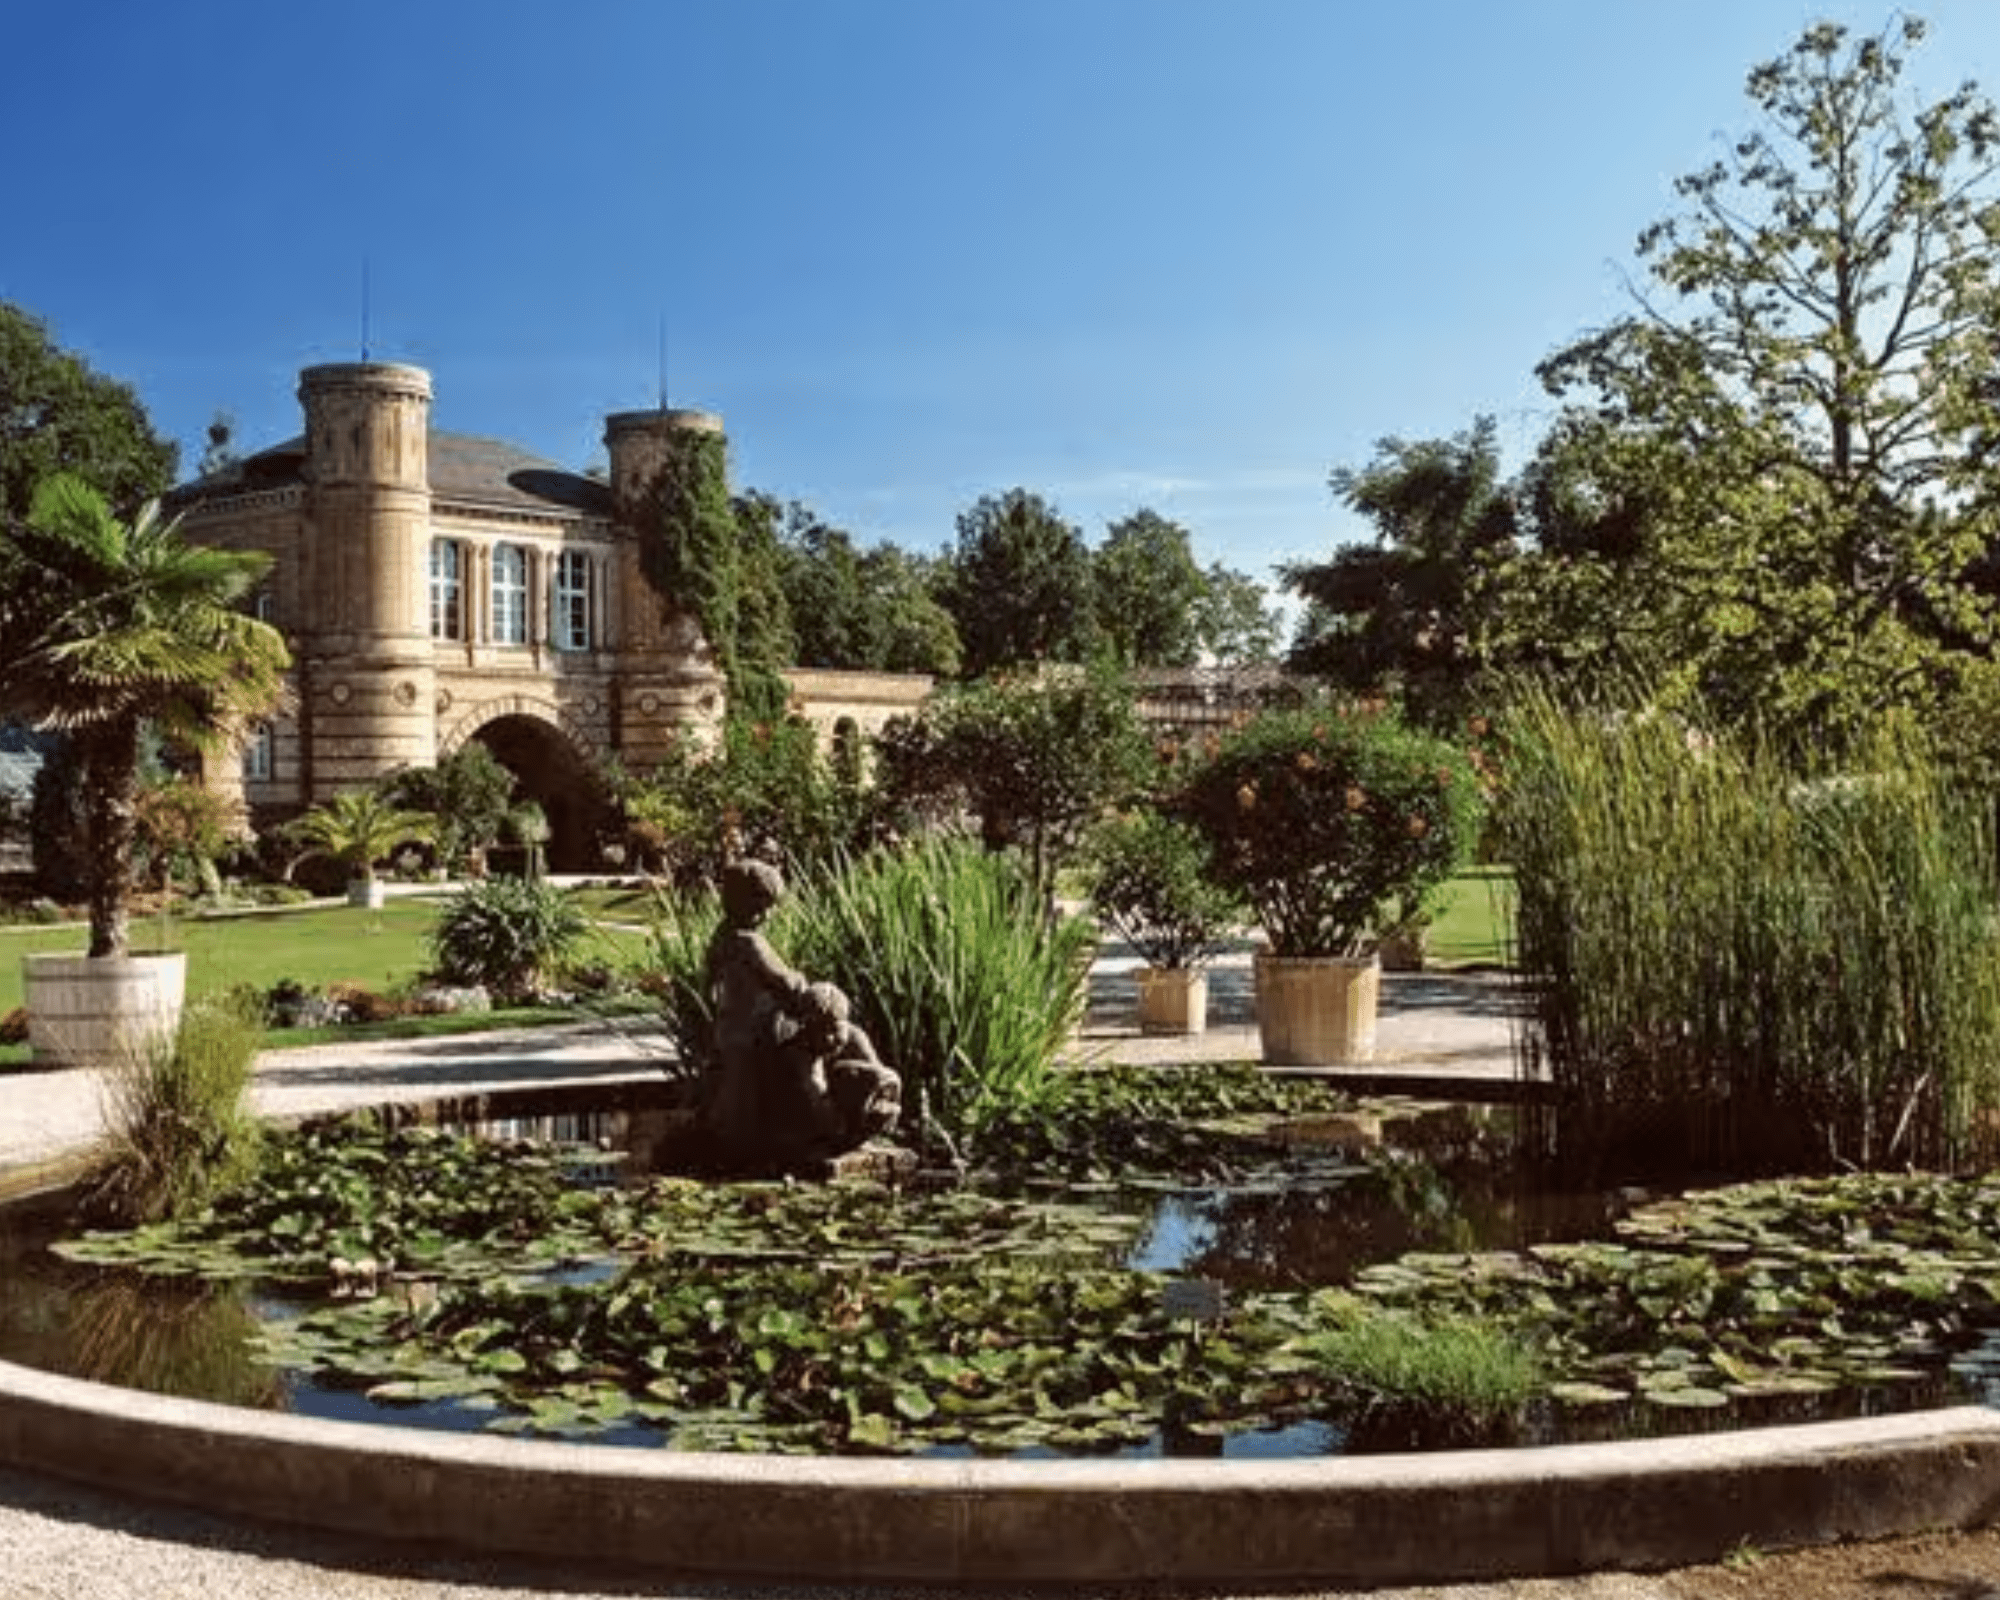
{"x":107,"y":627}
{"x":359,"y":828}
{"x":1150,"y":880}
{"x":1326,"y":819}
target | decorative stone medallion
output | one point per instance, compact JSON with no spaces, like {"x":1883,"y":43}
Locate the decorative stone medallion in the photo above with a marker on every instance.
{"x":340,"y":694}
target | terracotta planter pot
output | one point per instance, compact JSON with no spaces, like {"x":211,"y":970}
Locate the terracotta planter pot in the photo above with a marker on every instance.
{"x":102,"y":1011}
{"x":1173,"y":1000}
{"x":1316,"y":1011}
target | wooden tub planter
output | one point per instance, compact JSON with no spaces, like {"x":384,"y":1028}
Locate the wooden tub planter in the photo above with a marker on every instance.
{"x":102,"y":1011}
{"x":1316,"y":1011}
{"x":1173,"y":1000}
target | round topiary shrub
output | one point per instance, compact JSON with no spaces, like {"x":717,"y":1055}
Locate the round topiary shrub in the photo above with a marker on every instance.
{"x":1331,"y":819}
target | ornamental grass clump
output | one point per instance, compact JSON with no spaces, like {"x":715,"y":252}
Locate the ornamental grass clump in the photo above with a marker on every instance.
{"x":1747,"y":962}
{"x":178,"y":1128}
{"x":1329,"y":818}
{"x":1465,"y":1368}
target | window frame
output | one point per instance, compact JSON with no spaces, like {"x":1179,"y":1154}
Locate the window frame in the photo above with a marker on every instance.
{"x":571,"y":617}
{"x":510,"y":594}
{"x":447,"y":590}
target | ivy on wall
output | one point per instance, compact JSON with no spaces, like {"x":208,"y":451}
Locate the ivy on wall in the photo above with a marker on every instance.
{"x":701,"y":555}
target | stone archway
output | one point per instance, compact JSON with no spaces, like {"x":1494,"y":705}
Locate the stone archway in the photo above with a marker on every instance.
{"x":550,"y":769}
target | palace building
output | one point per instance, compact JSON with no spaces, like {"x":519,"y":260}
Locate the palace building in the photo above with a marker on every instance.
{"x":437,"y":588}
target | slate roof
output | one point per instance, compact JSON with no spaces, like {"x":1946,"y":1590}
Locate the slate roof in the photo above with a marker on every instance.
{"x":464,"y":469}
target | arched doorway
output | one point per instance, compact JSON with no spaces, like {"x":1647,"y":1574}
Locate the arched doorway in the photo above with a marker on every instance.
{"x":548,"y":771}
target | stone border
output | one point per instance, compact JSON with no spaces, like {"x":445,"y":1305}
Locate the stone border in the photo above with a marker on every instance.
{"x":1408,"y":1519}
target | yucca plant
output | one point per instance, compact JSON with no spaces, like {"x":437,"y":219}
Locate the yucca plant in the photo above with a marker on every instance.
{"x":510,"y":934}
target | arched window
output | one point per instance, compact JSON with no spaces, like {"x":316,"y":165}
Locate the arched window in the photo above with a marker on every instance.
{"x":510,"y":594}
{"x":572,"y":608}
{"x":447,"y":591}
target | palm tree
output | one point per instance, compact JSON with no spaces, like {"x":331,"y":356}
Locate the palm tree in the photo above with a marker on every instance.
{"x":359,"y":827}
{"x":106,"y":626}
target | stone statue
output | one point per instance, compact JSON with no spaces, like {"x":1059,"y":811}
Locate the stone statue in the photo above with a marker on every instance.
{"x":794,"y":1081}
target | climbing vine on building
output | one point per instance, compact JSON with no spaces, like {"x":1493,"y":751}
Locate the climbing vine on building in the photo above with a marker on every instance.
{"x":707,"y":558}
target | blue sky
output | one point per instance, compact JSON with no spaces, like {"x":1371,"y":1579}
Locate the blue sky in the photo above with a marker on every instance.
{"x":1185,"y":254}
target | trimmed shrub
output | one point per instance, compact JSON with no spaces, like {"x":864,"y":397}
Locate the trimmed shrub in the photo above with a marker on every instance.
{"x":1152,"y":880}
{"x":1333,"y":821}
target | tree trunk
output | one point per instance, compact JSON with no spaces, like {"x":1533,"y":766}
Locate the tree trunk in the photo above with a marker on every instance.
{"x":111,"y":779}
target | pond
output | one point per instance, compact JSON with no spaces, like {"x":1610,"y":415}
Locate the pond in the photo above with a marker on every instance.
{"x":1399,"y":1198}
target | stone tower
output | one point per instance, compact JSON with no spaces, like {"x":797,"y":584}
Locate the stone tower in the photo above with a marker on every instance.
{"x":667,"y":679}
{"x":367,"y":679}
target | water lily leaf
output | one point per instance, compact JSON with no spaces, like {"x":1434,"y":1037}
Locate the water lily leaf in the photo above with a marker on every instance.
{"x":1688,"y":1396}
{"x":1587,"y":1394}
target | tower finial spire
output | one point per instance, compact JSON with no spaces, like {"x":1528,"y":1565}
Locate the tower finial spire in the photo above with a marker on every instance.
{"x":364,"y":308}
{"x":663,"y":361}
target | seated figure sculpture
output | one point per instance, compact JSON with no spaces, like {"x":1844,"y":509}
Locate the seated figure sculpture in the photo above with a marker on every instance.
{"x":794,"y":1082}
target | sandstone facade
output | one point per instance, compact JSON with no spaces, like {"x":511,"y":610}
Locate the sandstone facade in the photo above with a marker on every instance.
{"x":437,"y":588}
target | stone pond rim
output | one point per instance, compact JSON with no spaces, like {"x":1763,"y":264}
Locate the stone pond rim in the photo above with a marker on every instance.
{"x":1465,"y":1516}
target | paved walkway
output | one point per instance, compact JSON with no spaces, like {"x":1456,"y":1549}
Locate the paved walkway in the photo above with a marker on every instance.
{"x":1431,"y":1027}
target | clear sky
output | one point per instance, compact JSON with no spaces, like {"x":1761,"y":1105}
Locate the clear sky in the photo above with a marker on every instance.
{"x":1185,"y":254}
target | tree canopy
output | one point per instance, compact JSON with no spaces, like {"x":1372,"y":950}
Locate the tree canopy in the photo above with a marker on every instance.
{"x":1018,"y":584}
{"x":1403,"y":614}
{"x":868,"y":610}
{"x":57,"y":415}
{"x":1781,"y":460}
{"x":1148,"y":592}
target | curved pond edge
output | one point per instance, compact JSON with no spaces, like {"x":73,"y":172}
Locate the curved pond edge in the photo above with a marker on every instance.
{"x":1450,"y":1517}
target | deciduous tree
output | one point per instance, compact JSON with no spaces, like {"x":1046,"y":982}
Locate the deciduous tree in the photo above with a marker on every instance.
{"x":1018,"y":584}
{"x":1148,"y":591}
{"x":1799,"y":409}
{"x":1404,"y":614}
{"x":57,"y":415}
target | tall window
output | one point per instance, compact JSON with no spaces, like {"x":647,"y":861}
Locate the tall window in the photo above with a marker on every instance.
{"x":510,"y":594}
{"x":447,"y":591}
{"x":572,"y":618}
{"x":257,"y":754}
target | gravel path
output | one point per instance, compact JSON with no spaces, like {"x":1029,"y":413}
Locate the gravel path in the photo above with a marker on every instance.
{"x":63,"y":1543}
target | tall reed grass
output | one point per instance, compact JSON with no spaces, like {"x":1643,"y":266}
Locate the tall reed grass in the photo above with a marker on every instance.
{"x":178,"y":1128}
{"x":967,"y":987}
{"x":1739,"y":961}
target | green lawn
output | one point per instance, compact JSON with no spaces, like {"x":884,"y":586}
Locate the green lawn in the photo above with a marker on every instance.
{"x":1475,"y":924}
{"x":315,"y":945}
